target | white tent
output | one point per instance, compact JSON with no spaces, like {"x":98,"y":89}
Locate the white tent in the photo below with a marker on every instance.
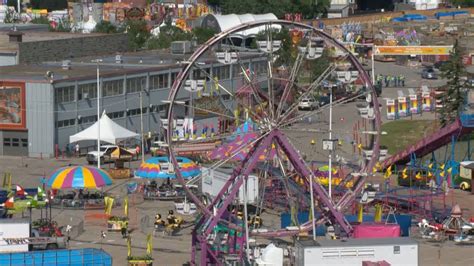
{"x":110,"y":132}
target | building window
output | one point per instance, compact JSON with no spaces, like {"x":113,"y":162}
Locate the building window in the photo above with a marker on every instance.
{"x":159,"y":81}
{"x":222,"y":72}
{"x":173,"y":77}
{"x":87,"y":119}
{"x":87,"y":91}
{"x":136,"y":84}
{"x":24,"y":142}
{"x":15,"y":142}
{"x":112,"y":87}
{"x":202,"y":74}
{"x":7,"y":142}
{"x":65,"y":94}
{"x":161,"y":108}
{"x":66,"y":123}
{"x":136,"y":111}
{"x":116,"y":114}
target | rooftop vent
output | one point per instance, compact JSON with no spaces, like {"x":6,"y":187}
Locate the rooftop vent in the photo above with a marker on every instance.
{"x":66,"y":65}
{"x":118,"y":59}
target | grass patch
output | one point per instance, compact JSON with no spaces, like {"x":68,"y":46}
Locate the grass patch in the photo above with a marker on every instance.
{"x":402,"y":133}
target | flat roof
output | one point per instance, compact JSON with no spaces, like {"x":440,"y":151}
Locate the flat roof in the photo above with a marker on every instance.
{"x":353,"y":242}
{"x":84,"y":68}
{"x":35,"y":36}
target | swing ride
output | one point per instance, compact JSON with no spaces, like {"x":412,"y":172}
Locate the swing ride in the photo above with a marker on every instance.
{"x":273,"y":83}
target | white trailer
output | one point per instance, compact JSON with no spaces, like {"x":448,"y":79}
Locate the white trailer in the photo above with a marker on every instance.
{"x":402,"y":251}
{"x":13,"y":229}
{"x":213,"y":181}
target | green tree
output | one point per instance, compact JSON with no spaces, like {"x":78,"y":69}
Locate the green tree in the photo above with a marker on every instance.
{"x":453,"y":98}
{"x":105,"y":27}
{"x":202,"y":34}
{"x":463,"y":3}
{"x":138,"y":33}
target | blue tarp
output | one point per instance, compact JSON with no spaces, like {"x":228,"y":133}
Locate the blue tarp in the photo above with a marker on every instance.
{"x":451,"y":14}
{"x":71,"y":257}
{"x":410,"y":17}
{"x":401,"y":219}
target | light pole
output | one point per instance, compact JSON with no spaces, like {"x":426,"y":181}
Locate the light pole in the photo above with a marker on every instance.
{"x":141,"y":126}
{"x":98,"y":111}
{"x":330,"y":139}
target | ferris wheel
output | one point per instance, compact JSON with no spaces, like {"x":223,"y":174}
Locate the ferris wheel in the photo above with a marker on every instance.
{"x":244,"y":96}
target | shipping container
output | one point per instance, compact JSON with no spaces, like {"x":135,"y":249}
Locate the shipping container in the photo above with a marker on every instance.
{"x":402,"y":251}
{"x":213,"y":180}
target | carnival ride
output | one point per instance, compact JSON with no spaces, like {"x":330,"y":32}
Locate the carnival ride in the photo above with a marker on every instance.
{"x":269,"y":94}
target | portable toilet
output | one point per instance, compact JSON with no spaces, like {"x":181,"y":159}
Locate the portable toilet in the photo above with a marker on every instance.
{"x":415,"y":106}
{"x":403,"y":105}
{"x":392,"y":109}
{"x":427,"y":101}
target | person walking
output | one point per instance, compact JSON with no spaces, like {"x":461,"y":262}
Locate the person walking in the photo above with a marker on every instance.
{"x":78,"y":150}
{"x":402,"y":80}
{"x":387,"y":81}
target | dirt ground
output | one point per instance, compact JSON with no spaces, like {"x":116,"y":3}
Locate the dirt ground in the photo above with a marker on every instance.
{"x":175,"y":250}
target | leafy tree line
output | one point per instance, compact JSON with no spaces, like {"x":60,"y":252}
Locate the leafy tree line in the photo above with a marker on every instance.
{"x":308,"y":8}
{"x":140,"y":37}
{"x":463,"y":3}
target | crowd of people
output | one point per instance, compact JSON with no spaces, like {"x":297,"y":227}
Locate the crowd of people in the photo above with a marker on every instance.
{"x":390,"y":81}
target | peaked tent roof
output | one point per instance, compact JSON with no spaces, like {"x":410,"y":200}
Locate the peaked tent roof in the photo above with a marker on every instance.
{"x":110,"y":132}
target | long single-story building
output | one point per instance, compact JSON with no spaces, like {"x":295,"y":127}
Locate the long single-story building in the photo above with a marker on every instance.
{"x":42,"y":105}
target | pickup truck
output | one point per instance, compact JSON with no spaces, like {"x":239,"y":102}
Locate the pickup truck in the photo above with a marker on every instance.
{"x":104,"y":154}
{"x":16,"y":236}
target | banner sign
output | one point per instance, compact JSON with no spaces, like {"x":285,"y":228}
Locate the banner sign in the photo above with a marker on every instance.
{"x":412,"y":50}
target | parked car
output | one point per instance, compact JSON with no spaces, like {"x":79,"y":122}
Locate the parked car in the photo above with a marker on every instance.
{"x":429,"y":73}
{"x":104,"y":154}
{"x":307,"y":104}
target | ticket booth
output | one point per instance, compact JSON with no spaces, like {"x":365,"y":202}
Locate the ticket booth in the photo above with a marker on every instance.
{"x":403,"y":106}
{"x":415,"y":103}
{"x":427,"y":101}
{"x":392,"y":109}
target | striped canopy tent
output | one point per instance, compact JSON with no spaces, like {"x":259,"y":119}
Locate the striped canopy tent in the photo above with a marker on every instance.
{"x":79,"y":177}
{"x":160,"y":167}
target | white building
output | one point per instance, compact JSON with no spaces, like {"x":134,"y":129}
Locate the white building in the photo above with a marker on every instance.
{"x":425,"y":4}
{"x":341,"y":8}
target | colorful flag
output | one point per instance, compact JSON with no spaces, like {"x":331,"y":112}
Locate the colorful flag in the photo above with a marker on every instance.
{"x":404,"y":173}
{"x":109,"y":202}
{"x":442,"y":167}
{"x":360,"y":214}
{"x":388,"y":172}
{"x":149,"y":244}
{"x":10,"y":203}
{"x":430,"y":166}
{"x":378,"y":213}
{"x":129,"y":246}
{"x":125,"y":204}
{"x":20,"y":191}
{"x":41,"y":193}
{"x":450,"y":169}
{"x":418,"y":175}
